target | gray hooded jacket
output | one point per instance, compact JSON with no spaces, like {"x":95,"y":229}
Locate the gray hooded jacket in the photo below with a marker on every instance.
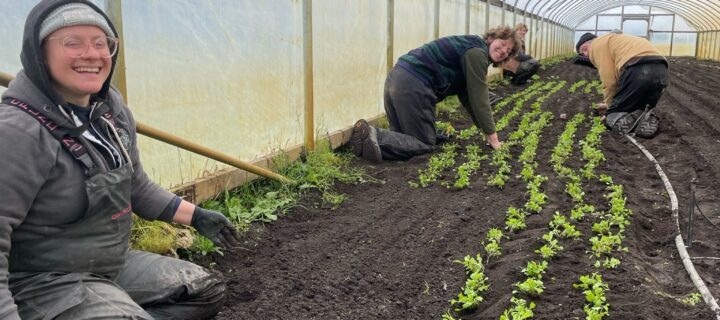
{"x":41,"y":185}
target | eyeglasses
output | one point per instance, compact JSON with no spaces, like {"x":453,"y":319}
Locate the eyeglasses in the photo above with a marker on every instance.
{"x":77,"y":47}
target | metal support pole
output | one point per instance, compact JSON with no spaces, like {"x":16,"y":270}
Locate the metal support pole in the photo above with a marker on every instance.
{"x":207,"y":152}
{"x":467,"y":16}
{"x":672,"y":35}
{"x":119,"y":80}
{"x":529,"y":47}
{"x":538,"y":39}
{"x":708,"y":46}
{"x":308,"y":72}
{"x":189,"y":145}
{"x":487,"y":15}
{"x":390,"y":34}
{"x":436,"y":22}
{"x":502,"y":20}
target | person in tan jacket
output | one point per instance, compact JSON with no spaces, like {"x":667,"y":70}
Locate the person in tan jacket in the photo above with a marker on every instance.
{"x":633,"y":75}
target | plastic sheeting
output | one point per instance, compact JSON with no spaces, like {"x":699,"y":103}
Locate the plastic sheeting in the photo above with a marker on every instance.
{"x":229,"y":74}
{"x":669,"y":32}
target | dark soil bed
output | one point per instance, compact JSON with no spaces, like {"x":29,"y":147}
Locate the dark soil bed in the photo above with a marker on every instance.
{"x":387,"y":252}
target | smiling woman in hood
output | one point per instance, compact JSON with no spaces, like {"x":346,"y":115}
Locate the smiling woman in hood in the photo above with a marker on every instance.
{"x":71,"y":178}
{"x":44,"y":19}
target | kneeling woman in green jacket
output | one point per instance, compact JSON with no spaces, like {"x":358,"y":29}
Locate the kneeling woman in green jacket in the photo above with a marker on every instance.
{"x":453,"y":65}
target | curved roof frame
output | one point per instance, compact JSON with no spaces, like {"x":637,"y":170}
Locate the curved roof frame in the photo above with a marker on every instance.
{"x":703,"y":15}
{"x":561,"y":12}
{"x":680,"y":12}
{"x":697,"y":20}
{"x":601,"y":6}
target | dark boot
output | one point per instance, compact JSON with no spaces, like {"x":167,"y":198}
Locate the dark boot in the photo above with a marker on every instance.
{"x":360,"y":132}
{"x":648,"y":125}
{"x":364,"y":141}
{"x":621,"y":122}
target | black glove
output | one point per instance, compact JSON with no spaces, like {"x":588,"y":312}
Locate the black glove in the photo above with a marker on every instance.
{"x":215,"y":226}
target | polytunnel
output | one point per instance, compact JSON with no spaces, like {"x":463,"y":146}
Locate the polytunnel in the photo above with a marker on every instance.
{"x":396,"y":159}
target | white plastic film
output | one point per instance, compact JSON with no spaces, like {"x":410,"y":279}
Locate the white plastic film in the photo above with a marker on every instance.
{"x":226,"y":74}
{"x":349,"y":41}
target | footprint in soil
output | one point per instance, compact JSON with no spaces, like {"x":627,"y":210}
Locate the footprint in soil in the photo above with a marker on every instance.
{"x":243,"y":296}
{"x":240,"y":293}
{"x":664,"y":140}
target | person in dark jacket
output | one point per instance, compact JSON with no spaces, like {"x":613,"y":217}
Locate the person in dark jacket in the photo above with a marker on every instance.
{"x":521,"y":67}
{"x":71,"y":177}
{"x":453,"y":65}
{"x":634,"y":77}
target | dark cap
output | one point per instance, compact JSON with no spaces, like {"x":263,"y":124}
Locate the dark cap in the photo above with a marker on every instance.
{"x":584,"y":38}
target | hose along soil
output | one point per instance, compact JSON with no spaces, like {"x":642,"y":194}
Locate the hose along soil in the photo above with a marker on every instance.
{"x":387,"y":252}
{"x":687,"y":262}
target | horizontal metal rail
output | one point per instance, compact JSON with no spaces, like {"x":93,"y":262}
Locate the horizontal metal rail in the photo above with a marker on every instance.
{"x":189,"y":145}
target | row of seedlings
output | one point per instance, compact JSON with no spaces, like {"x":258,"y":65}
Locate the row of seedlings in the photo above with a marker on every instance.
{"x":436,"y":165}
{"x":529,"y":132}
{"x":476,"y":284}
{"x":446,"y":158}
{"x":463,"y":172}
{"x":515,"y":219}
{"x":559,"y":227}
{"x":500,"y":157}
{"x":596,"y":84}
{"x":575,"y":86}
{"x":592,"y":285}
{"x":519,"y":98}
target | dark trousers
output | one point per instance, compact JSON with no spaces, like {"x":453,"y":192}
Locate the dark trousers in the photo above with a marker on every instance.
{"x":640,"y":85}
{"x":410,"y":109}
{"x":526,"y":69}
{"x":149,"y":286}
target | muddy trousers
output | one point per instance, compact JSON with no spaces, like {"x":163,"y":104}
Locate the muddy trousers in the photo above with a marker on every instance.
{"x":640,"y":85}
{"x":410,"y":109}
{"x":149,"y":286}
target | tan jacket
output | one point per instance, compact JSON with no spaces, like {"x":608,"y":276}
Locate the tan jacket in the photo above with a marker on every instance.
{"x":609,"y":53}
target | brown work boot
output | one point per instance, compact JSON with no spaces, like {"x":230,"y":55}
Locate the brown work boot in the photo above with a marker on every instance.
{"x":363,"y":141}
{"x":360,"y":132}
{"x":371,"y":148}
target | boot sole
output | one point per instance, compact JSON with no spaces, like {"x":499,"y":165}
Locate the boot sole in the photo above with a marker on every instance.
{"x":648,"y":128}
{"x":360,"y":133}
{"x":625,"y":124}
{"x":371,"y":149}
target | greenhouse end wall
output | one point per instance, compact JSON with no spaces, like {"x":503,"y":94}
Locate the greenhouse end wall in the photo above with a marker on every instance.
{"x":709,"y":45}
{"x":229,"y":74}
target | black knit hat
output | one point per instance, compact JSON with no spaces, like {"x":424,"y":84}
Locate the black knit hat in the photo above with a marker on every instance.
{"x":584,"y":38}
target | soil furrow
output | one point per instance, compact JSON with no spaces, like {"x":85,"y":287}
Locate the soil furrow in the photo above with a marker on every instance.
{"x":387,"y":252}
